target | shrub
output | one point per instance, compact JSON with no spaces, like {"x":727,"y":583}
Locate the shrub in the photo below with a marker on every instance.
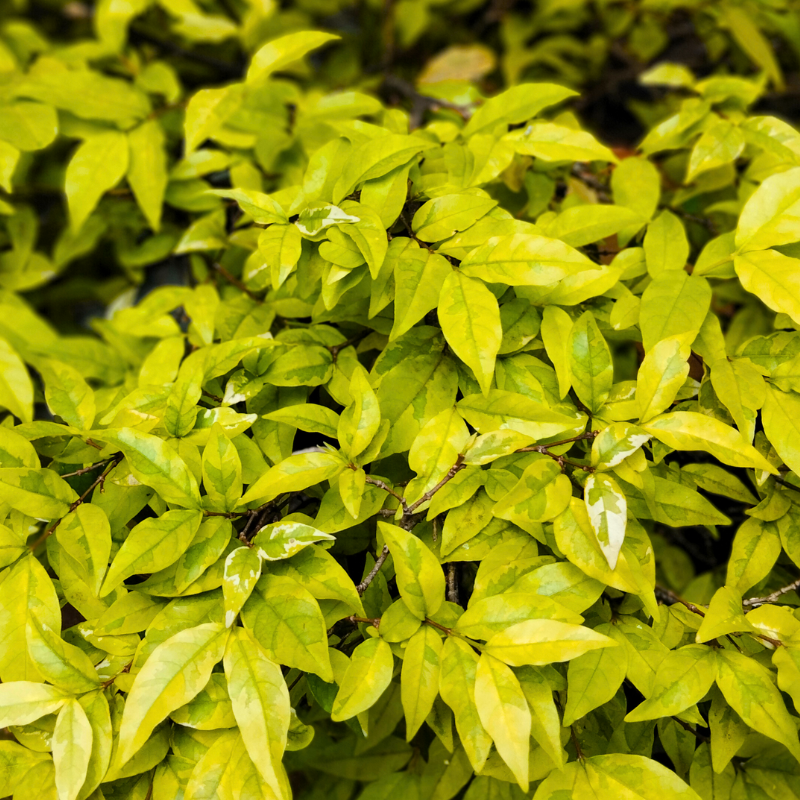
{"x":402,"y":493}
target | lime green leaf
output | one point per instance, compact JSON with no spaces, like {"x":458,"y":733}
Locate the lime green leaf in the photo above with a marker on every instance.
{"x":16,"y":389}
{"x":207,"y":111}
{"x":721,"y":143}
{"x":368,"y":675}
{"x":445,"y":216}
{"x":28,"y":126}
{"x":544,"y":641}
{"x":682,"y":679}
{"x":420,"y":578}
{"x":755,"y":550}
{"x":419,"y":679}
{"x":751,"y":693}
{"x":688,"y":430}
{"x":67,"y":394}
{"x":584,"y":224}
{"x":665,"y":244}
{"x":470,"y":319}
{"x":281,"y":246}
{"x":515,"y":105}
{"x":556,"y":330}
{"x":175,"y":672}
{"x":724,"y":615}
{"x":616,"y":442}
{"x":523,"y":259}
{"x":242,"y":570}
{"x":261,"y":207}
{"x":320,"y":574}
{"x":552,"y":142}
{"x":360,"y":421}
{"x":661,"y":375}
{"x":72,"y":747}
{"x":260,"y":703}
{"x":375,"y":158}
{"x":25,"y":590}
{"x":283,"y":52}
{"x":745,"y":31}
{"x":608,"y":513}
{"x":618,"y":775}
{"x":154,"y":463}
{"x":61,"y":663}
{"x":769,"y":216}
{"x":577,"y":540}
{"x":674,"y":303}
{"x":98,"y":164}
{"x":780,"y":419}
{"x":147,"y":174}
{"x":490,"y":615}
{"x":540,"y":495}
{"x":22,"y":702}
{"x":307,"y":417}
{"x":590,"y":363}
{"x":594,"y":677}
{"x":294,"y":474}
{"x":152,"y":545}
{"x":509,"y":410}
{"x":281,"y":540}
{"x":773,"y":278}
{"x":504,"y":713}
{"x":286,"y":621}
{"x":39,"y":493}
{"x":457,"y":686}
{"x":545,"y":720}
{"x":222,"y":471}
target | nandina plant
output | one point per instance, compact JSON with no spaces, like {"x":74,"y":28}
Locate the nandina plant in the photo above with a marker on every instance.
{"x":407,"y":492}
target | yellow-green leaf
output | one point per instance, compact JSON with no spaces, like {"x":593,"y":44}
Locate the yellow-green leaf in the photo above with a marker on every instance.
{"x":147,"y":173}
{"x":152,"y":545}
{"x":175,"y":672}
{"x":420,"y":578}
{"x":16,"y":389}
{"x":367,"y":677}
{"x":260,"y":703}
{"x":419,"y":679}
{"x":470,"y":320}
{"x":98,"y":164}
{"x":505,"y":714}
{"x":154,"y":463}
{"x":72,"y":748}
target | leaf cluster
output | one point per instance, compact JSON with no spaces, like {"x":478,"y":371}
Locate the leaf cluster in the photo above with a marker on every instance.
{"x":396,"y":496}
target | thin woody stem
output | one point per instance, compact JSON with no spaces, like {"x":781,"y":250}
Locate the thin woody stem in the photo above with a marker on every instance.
{"x":362,"y":587}
{"x":575,"y":742}
{"x":234,"y":281}
{"x":91,"y":468}
{"x":774,"y":597}
{"x":451,"y":473}
{"x":386,"y":488}
{"x":99,"y":481}
{"x":668,"y":594}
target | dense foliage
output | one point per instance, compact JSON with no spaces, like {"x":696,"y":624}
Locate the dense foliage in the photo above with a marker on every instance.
{"x":411,"y":477}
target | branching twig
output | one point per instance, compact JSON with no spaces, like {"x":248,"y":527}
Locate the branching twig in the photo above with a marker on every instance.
{"x":233,"y":280}
{"x":700,"y":736}
{"x":451,"y":473}
{"x":544,"y":449}
{"x":99,"y":481}
{"x":773,"y":597}
{"x":386,"y":488}
{"x":422,"y":102}
{"x":362,"y":587}
{"x":667,"y":595}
